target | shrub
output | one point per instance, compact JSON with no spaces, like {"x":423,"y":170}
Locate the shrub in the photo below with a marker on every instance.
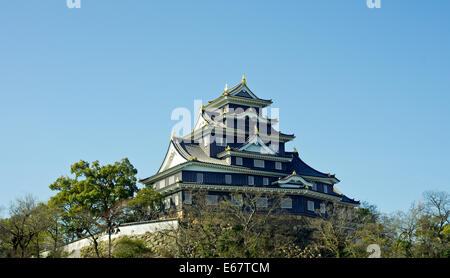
{"x":131,"y":248}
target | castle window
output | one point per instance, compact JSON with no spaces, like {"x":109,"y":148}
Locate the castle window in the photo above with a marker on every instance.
{"x":251,"y":180}
{"x":188,"y":198}
{"x":162,"y":183}
{"x":325,"y":188}
{"x":286,"y":203}
{"x":200,"y":177}
{"x":322,"y":208}
{"x":265,"y":181}
{"x":259,"y":163}
{"x":314,"y":186}
{"x":310,"y":205}
{"x":278,"y":166}
{"x":211,"y":200}
{"x":221,"y":142}
{"x":262,"y":202}
{"x":167,"y":203}
{"x":228,"y":179}
{"x":239,"y":161}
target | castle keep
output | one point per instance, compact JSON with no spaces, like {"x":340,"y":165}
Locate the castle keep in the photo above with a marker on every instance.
{"x":234,"y":148}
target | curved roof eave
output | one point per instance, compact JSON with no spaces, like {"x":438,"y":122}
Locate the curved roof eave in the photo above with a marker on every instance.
{"x":313,"y":172}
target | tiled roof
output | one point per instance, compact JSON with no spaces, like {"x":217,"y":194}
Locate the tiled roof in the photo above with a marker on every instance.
{"x":348,"y":200}
{"x":191,"y":150}
{"x":301,"y":168}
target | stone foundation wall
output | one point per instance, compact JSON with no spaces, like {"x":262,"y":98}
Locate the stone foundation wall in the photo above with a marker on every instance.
{"x":148,"y":231}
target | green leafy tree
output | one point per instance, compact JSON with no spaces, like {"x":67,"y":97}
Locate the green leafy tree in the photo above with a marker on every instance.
{"x":147,"y":205}
{"x":92,"y":201}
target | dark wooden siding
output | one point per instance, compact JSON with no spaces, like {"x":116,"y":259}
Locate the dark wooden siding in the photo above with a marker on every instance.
{"x":299,"y":203}
{"x":219,"y":178}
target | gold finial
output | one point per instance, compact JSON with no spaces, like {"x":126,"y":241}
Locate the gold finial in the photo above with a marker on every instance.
{"x":202,"y":107}
{"x":307,"y":187}
{"x":295,"y":150}
{"x":329,"y":175}
{"x":225,"y":91}
{"x":173,"y":135}
{"x":294,"y":173}
{"x":244,"y":81}
{"x":177,"y":180}
{"x":256,"y":129}
{"x":227,"y":148}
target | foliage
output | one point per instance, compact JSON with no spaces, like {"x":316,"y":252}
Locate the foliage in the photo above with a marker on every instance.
{"x":92,"y":201}
{"x":99,"y":198}
{"x":147,"y":205}
{"x":131,"y":248}
{"x":235,"y":231}
{"x":24,"y":228}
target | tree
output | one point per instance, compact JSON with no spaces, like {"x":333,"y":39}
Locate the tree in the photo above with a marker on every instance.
{"x":431,"y":238}
{"x":237,"y":227}
{"x":147,"y":205}
{"x":93,"y":199}
{"x":26,"y":223}
{"x":334,"y":231}
{"x":421,"y":231}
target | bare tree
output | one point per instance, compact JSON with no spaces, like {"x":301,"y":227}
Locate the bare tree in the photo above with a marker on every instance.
{"x":242,"y":225}
{"x":25,"y":224}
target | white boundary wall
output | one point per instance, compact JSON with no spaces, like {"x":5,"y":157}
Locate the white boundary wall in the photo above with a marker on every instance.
{"x":131,"y":229}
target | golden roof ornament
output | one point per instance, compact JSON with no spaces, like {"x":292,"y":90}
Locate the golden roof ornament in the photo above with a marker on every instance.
{"x":294,"y":173}
{"x":244,"y":81}
{"x":329,"y":175}
{"x":295,"y":150}
{"x":227,"y":148}
{"x":173,"y":135}
{"x":256,"y":129}
{"x":177,"y":180}
{"x":225,"y":91}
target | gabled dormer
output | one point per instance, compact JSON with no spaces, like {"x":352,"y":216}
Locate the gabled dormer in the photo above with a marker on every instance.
{"x":255,"y":144}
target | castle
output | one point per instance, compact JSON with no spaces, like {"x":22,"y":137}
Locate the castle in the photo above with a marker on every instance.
{"x":234,"y":149}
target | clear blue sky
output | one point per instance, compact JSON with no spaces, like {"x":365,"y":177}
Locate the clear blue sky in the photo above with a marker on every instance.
{"x":366,"y":91}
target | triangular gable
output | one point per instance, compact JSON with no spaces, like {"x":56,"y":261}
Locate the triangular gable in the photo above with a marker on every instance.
{"x":293,"y":179}
{"x":172,"y":158}
{"x":257,"y":145}
{"x":200,"y":121}
{"x":244,"y":91}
